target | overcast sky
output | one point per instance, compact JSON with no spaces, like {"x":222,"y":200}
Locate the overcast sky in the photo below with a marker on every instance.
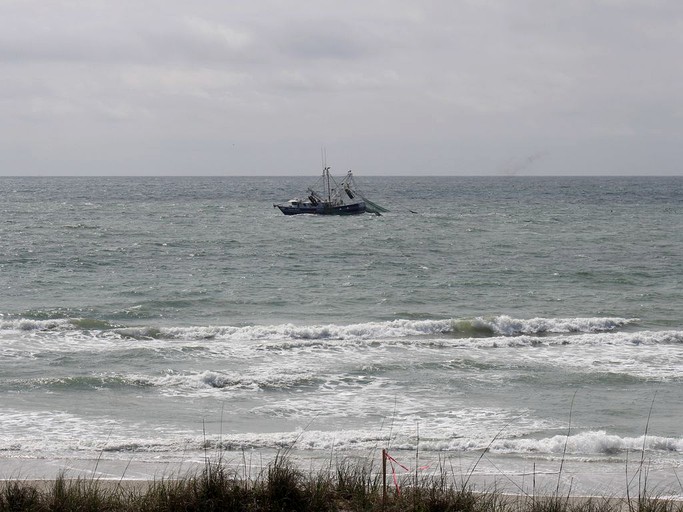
{"x":392,"y":87}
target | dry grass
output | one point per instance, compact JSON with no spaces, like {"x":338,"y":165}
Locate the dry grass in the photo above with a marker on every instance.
{"x":281,"y":487}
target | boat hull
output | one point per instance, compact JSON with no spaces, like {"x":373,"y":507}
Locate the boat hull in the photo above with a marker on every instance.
{"x":322,"y":209}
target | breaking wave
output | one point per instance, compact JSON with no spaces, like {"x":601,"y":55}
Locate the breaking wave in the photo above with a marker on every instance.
{"x":502,"y":325}
{"x":65,"y":431}
{"x":211,"y":380}
{"x":586,"y":443}
{"x":593,"y":443}
{"x":496,"y":326}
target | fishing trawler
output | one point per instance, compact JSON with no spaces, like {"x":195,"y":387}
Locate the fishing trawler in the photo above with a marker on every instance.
{"x":327,"y":197}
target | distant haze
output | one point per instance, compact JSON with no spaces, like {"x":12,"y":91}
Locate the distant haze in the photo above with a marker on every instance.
{"x":388,"y":87}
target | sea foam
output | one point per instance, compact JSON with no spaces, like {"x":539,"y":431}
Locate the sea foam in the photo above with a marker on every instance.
{"x":501,"y":325}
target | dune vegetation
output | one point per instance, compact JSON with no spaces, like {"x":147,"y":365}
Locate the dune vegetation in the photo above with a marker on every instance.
{"x":280,"y":486}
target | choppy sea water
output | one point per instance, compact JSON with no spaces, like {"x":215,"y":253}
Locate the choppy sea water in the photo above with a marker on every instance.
{"x":536,"y":321}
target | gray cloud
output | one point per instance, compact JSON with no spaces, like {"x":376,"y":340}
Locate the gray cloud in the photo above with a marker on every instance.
{"x":440,"y":87}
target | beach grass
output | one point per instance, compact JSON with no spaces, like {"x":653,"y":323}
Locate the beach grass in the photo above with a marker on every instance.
{"x":344,"y":486}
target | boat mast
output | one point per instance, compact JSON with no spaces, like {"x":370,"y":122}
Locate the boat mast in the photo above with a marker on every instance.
{"x":329,"y":188}
{"x":326,"y":175}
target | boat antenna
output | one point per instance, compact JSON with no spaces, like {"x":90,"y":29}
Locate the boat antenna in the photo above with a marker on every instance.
{"x":323,"y":156}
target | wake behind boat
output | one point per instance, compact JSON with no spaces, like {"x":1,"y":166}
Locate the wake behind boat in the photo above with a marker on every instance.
{"x":327,"y":197}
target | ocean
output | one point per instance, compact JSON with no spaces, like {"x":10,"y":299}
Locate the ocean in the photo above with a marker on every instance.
{"x":524,"y":332}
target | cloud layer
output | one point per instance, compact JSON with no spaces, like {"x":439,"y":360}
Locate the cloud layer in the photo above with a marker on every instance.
{"x":388,"y":87}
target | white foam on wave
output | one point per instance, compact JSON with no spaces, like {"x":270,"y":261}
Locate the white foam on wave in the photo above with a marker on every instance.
{"x":247,"y":342}
{"x":502,"y":325}
{"x":50,"y":430}
{"x":588,"y":443}
{"x":28,"y":324}
{"x":209,"y":382}
{"x":55,"y":432}
{"x":59,"y":432}
{"x":508,"y":326}
{"x":362,"y":331}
